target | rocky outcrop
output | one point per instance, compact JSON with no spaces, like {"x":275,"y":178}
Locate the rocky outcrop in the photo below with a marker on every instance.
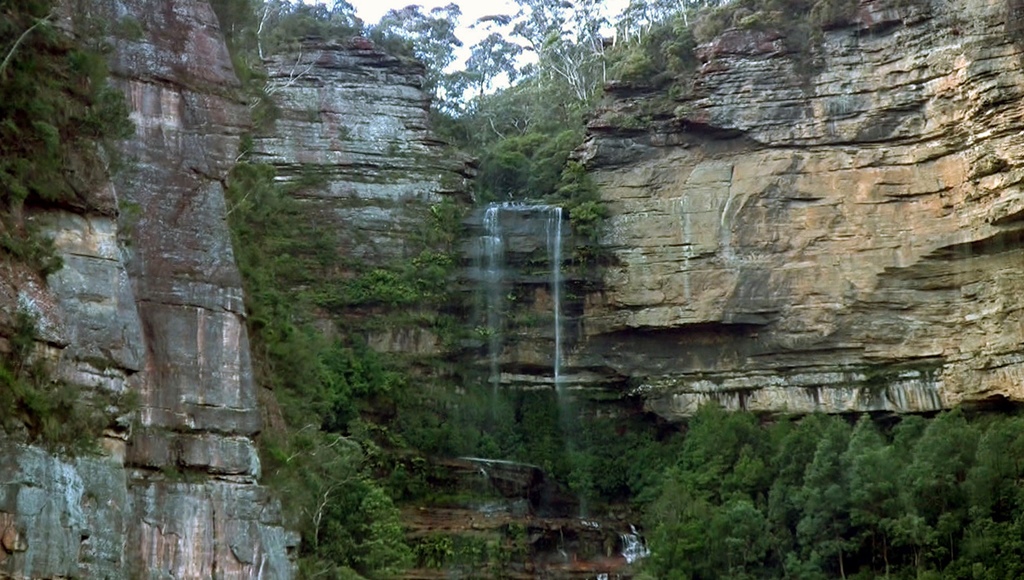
{"x":352,"y":135}
{"x":351,"y":138}
{"x":839,"y":232}
{"x":149,"y":307}
{"x":521,"y":523}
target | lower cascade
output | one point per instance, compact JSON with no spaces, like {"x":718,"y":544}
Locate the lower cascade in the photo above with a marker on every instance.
{"x":633,"y":546}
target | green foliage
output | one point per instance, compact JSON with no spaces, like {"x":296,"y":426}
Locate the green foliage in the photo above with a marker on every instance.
{"x":527,"y":166}
{"x":58,"y":110}
{"x":47,"y":411}
{"x":289,"y":23}
{"x":445,"y":225}
{"x":663,"y":54}
{"x":601,"y":460}
{"x":24,"y":243}
{"x":799,"y":22}
{"x":421,"y":281}
{"x":658,"y":42}
{"x":323,"y":464}
{"x":430,"y":37}
{"x":464,"y":553}
{"x":349,"y":525}
{"x":525,"y":135}
{"x":434,"y":551}
{"x":819,"y":498}
{"x":319,"y":381}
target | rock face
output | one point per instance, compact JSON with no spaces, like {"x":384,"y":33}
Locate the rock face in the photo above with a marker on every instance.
{"x":352,"y":136}
{"x":841,"y":233}
{"x":352,"y":140}
{"x":151,"y":304}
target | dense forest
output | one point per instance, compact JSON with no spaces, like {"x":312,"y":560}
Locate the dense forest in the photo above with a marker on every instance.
{"x":722,"y":496}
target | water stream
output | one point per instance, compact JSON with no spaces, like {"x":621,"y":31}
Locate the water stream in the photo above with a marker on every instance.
{"x":554,"y":231}
{"x":494,"y":247}
{"x":633,"y":546}
{"x":493,"y":256}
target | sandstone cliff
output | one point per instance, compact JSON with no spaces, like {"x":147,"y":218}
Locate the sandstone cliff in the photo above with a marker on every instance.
{"x":150,"y":304}
{"x":352,"y":140}
{"x":839,"y":232}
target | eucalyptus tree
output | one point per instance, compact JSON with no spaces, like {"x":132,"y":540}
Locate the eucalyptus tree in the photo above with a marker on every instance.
{"x":256,"y":29}
{"x":491,"y":58}
{"x":566,"y":39}
{"x":639,"y":16}
{"x":430,"y":36}
{"x":283,"y":25}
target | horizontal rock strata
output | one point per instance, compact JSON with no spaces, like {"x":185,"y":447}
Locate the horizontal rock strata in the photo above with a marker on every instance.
{"x":837,"y":233}
{"x":352,"y":133}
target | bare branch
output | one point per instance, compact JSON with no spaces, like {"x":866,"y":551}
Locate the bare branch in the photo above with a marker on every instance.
{"x":293,"y":75}
{"x":495,"y":129}
{"x":24,"y":35}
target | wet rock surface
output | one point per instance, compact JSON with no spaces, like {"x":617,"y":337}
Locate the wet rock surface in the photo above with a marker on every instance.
{"x":525,"y":519}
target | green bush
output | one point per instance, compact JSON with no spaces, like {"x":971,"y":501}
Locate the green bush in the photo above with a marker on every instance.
{"x":57,"y":111}
{"x":49,"y":412}
{"x":820,"y":497}
{"x":663,"y":55}
{"x":329,"y":386}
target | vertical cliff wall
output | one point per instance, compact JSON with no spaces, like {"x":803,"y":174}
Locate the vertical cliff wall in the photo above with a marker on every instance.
{"x":352,"y":142}
{"x":836,"y":230}
{"x":150,"y":304}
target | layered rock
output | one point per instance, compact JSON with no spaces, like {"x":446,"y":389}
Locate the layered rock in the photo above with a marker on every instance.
{"x":525,"y":524}
{"x":352,"y":134}
{"x":351,"y":138}
{"x":841,"y":232}
{"x":150,"y":306}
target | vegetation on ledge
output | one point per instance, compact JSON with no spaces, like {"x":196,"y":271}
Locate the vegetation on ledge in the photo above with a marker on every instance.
{"x":37,"y":408}
{"x":57,"y":112}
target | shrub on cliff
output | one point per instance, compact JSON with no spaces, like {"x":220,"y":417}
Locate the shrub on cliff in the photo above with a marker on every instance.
{"x":36,"y":407}
{"x":663,"y":54}
{"x":57,"y":112}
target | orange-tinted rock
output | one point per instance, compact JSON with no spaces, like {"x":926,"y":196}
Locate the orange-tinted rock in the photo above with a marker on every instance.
{"x":839,"y":237}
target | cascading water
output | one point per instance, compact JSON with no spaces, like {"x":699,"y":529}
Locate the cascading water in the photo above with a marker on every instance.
{"x":493,"y":249}
{"x":633,"y":546}
{"x":555,"y":256}
{"x":493,"y":255}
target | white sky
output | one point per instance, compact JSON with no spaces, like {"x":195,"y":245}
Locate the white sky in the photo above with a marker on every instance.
{"x":371,"y":11}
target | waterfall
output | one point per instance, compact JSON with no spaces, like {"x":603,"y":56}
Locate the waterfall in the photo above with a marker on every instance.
{"x":494,"y":244}
{"x":633,"y":546}
{"x":493,"y":254}
{"x":555,"y":256}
